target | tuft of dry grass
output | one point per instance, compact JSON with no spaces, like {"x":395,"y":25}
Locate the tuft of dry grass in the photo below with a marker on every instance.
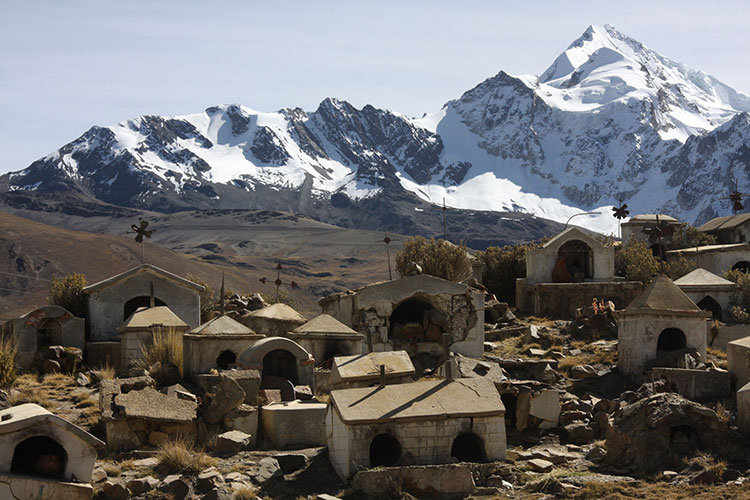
{"x":718,"y":353}
{"x":8,"y":351}
{"x":244,"y":493}
{"x":106,"y":372}
{"x":180,"y":455}
{"x":59,"y":380}
{"x":27,"y":389}
{"x":165,"y":348}
{"x":660,"y":491}
{"x":598,"y":357}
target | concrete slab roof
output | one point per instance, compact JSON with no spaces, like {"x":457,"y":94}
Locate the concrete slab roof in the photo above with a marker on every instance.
{"x":432,"y":399}
{"x":143,"y":268}
{"x":663,"y":294}
{"x":325,"y":324}
{"x":367,"y":366}
{"x":147,"y":317}
{"x":726,"y":222}
{"x":709,"y":248}
{"x":278,"y":311}
{"x":743,"y":342}
{"x":18,"y":418}
{"x":222,"y":325}
{"x":704,"y":279}
{"x":650,"y":218}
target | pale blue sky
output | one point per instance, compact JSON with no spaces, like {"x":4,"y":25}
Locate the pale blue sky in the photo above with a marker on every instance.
{"x":68,"y":65}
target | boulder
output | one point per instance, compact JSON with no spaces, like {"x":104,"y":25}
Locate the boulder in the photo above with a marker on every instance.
{"x":114,"y":491}
{"x":540,"y":465}
{"x":175,"y":486}
{"x":268,"y":468}
{"x":232,"y":442}
{"x":228,"y":396}
{"x":142,"y":485}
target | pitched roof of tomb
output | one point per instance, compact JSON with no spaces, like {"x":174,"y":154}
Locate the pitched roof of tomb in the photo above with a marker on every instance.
{"x":367,"y":366}
{"x":147,"y":317}
{"x":143,"y":268}
{"x":726,"y":222}
{"x":572,"y":233}
{"x":222,"y":325}
{"x":743,"y":342}
{"x":325,"y":324}
{"x":432,"y":399}
{"x":18,"y":418}
{"x":700,"y":278}
{"x":408,"y":284}
{"x":278,"y":311}
{"x":663,"y":294}
{"x":646,"y":218}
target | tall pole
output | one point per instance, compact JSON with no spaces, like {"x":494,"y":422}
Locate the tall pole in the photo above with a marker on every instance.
{"x":445,"y":223}
{"x":387,"y":241}
{"x":223,"y":306}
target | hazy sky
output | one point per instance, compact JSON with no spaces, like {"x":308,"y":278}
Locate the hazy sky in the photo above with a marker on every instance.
{"x":68,"y":65}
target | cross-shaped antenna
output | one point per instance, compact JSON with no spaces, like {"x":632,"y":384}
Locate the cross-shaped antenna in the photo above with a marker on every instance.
{"x":278,"y":281}
{"x":655,"y":232}
{"x":387,"y":240}
{"x":141,"y":231}
{"x":445,"y":209}
{"x":620,"y":213}
{"x":736,"y":198}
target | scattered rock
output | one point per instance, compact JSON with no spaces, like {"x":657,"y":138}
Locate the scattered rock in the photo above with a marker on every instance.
{"x":596,"y":454}
{"x":98,"y":475}
{"x":579,"y":433}
{"x":268,"y":468}
{"x":175,"y":486}
{"x":115,"y":491}
{"x":232,"y":442}
{"x":539,"y":465}
{"x":51,"y":366}
{"x":291,"y":462}
{"x":228,"y":396}
{"x":142,"y":485}
{"x":82,"y":380}
{"x":583,"y":371}
{"x":208,"y":480}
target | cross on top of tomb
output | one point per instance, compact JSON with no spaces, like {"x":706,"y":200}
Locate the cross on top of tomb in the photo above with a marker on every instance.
{"x":141,"y":231}
{"x":278,"y":281}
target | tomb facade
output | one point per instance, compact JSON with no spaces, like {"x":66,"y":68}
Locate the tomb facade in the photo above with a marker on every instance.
{"x":46,"y":326}
{"x":633,"y":228}
{"x":45,"y":454}
{"x":110,"y":302}
{"x":658,"y":328}
{"x":325,"y":337}
{"x":715,"y":258}
{"x":282,"y":358}
{"x":412,"y":314}
{"x":275,"y":320}
{"x":139,"y":330}
{"x":729,"y":229}
{"x":568,"y":273}
{"x":215,"y":344}
{"x":420,"y":423}
{"x":710,"y":292}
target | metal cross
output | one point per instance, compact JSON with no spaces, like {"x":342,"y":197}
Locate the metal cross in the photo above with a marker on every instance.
{"x":141,"y":232}
{"x":278,"y":281}
{"x":736,"y":198}
{"x":620,"y":213}
{"x":387,"y":240}
{"x":445,"y":209}
{"x":655,"y":232}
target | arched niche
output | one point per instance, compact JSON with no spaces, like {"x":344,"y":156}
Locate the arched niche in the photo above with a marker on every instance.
{"x":578,"y":258}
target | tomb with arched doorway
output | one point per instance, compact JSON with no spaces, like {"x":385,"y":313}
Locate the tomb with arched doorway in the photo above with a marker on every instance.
{"x":419,"y":423}
{"x":661,"y":328}
{"x":216,"y":344}
{"x":567,"y":273}
{"x":46,"y":326}
{"x":110,"y":302}
{"x":45,"y":454}
{"x":710,"y":292}
{"x":413,"y":314}
{"x":279,"y":357}
{"x":325,"y":337}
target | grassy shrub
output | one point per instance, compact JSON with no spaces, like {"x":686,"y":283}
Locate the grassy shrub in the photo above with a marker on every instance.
{"x":437,"y":258}
{"x":8,"y":351}
{"x":687,"y":236}
{"x":502,"y":265}
{"x":165,"y":348}
{"x":636,"y":262}
{"x":67,"y":292}
{"x":105,"y":372}
{"x":180,"y":455}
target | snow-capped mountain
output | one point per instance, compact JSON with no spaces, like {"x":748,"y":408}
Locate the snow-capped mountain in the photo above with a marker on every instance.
{"x":609,"y":120}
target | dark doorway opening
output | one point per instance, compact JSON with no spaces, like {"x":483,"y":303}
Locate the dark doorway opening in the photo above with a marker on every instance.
{"x":49,"y":333}
{"x":385,"y":450}
{"x":416,"y":320}
{"x":742,"y":265}
{"x":683,"y":440}
{"x":671,"y":339}
{"x":579,"y":260}
{"x":225,"y":360}
{"x":511,"y":404}
{"x":39,"y":456}
{"x":468,"y":447}
{"x":708,"y":303}
{"x":133,"y":304}
{"x":281,"y":363}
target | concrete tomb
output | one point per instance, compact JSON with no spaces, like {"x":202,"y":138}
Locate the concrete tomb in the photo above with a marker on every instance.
{"x":363,"y":370}
{"x":114,"y":300}
{"x":659,"y":328}
{"x":729,"y":229}
{"x":275,"y":320}
{"x":412,"y":314}
{"x":215,"y":344}
{"x":738,"y":361}
{"x":45,"y":456}
{"x":420,"y":423}
{"x":743,"y":408}
{"x":633,"y":228}
{"x":279,"y":357}
{"x":568,"y":273}
{"x":43,"y":327}
{"x":294,"y":424}
{"x":325,"y":337}
{"x":715,"y":258}
{"x":139,"y":330}
{"x":710,"y":292}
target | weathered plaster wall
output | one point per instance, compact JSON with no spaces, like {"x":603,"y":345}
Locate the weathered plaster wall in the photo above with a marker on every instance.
{"x":639,"y":334}
{"x":541,"y":261}
{"x":428,"y":441}
{"x":560,"y":300}
{"x":25,"y":331}
{"x":199,"y":352}
{"x":715,"y":262}
{"x":106,"y":306}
